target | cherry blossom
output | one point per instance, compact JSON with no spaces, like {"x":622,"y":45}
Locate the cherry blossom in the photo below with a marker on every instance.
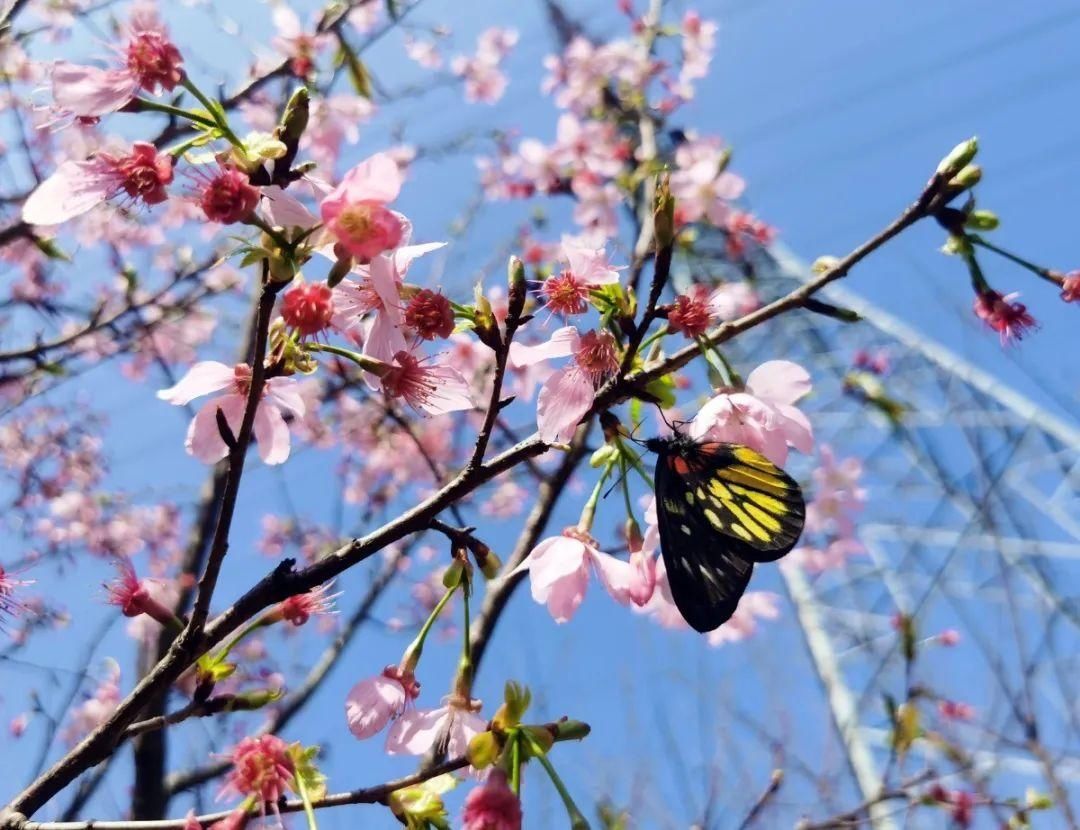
{"x":587,"y":270}
{"x":77,"y":186}
{"x":300,"y":608}
{"x":308,"y":308}
{"x":1010,"y":319}
{"x":356,"y":213}
{"x":261,"y":767}
{"x":559,"y":574}
{"x":837,"y":494}
{"x":702,"y":188}
{"x":417,"y":730}
{"x":753,"y":606}
{"x":492,"y":805}
{"x":10,"y":605}
{"x":568,"y":393}
{"x":226,"y":195}
{"x":763,"y":415}
{"x":1070,"y":287}
{"x":429,"y":315}
{"x":129,"y":594}
{"x":204,"y":440}
{"x":426,"y":386}
{"x":484,"y":80}
{"x":375,"y":701}
{"x":94,"y":711}
{"x":151,"y":62}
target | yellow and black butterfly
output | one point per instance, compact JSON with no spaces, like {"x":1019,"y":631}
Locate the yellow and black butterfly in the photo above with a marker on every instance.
{"x":721,"y":508}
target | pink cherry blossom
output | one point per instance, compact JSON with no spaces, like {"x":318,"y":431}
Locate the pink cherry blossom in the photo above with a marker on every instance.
{"x":10,"y":605}
{"x":484,"y":80}
{"x":949,"y":637}
{"x":587,"y":269}
{"x":94,"y":711}
{"x":77,"y":186}
{"x":833,"y":556}
{"x":424,"y":52}
{"x":375,"y":701}
{"x":568,"y":393}
{"x":427,"y":386}
{"x":429,"y":315}
{"x":763,"y":416}
{"x":753,"y":606}
{"x":699,"y":40}
{"x":356,"y":213}
{"x":492,"y":805}
{"x":300,"y":47}
{"x":588,"y":145}
{"x":204,"y":441}
{"x":151,"y":61}
{"x":1070,"y":287}
{"x":308,"y":308}
{"x":837,"y":495}
{"x":129,"y":594}
{"x":260,"y":767}
{"x":225,"y":195}
{"x":559,"y":574}
{"x":956,"y":710}
{"x":703,"y":190}
{"x":417,"y":730}
{"x":1010,"y":319}
{"x":300,"y":608}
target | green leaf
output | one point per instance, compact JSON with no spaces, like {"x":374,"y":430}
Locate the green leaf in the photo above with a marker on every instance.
{"x":358,"y":73}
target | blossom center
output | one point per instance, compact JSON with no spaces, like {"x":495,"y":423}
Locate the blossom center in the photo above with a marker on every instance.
{"x":566,"y":294}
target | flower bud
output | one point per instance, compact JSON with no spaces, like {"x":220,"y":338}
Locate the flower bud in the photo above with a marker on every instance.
{"x":515,"y":275}
{"x":295,"y":118}
{"x":664,"y":214}
{"x":960,"y":156}
{"x":967,"y":178}
{"x":453,"y":574}
{"x":486,"y":560}
{"x":982,"y":220}
{"x":824,"y":263}
{"x":483,"y":749}
{"x":604,"y":455}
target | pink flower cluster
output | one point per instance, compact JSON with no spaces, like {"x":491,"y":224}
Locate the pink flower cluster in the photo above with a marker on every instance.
{"x":485,"y":82}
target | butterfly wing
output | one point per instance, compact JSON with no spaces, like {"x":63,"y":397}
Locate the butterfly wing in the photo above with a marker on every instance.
{"x":743,"y":496}
{"x":704,"y":569}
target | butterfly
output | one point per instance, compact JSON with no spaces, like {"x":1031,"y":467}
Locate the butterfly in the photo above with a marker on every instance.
{"x":721,"y":508}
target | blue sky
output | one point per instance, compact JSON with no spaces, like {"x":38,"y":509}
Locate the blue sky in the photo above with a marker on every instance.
{"x":837,"y":112}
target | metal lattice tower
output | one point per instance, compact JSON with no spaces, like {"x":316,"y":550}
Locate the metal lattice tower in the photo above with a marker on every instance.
{"x":972,"y":522}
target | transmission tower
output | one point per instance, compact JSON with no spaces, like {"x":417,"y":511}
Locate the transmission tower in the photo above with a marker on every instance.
{"x":971,"y":523}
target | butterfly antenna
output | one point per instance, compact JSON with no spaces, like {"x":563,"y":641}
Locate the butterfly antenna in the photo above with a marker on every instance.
{"x":618,"y":481}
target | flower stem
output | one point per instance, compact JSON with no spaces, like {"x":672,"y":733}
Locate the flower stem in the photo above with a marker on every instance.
{"x":215,"y":111}
{"x":588,"y":512}
{"x":412,"y":654}
{"x":368,"y":364}
{"x":306,"y":799}
{"x":577,"y":820}
{"x":1039,"y":271}
{"x":168,"y":109}
{"x":515,"y":763}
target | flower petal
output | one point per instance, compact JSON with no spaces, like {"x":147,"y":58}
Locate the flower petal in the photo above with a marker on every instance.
{"x":73,"y":189}
{"x":271,"y":434}
{"x":204,"y":377}
{"x":415,"y":731}
{"x":562,"y":343}
{"x":564,"y":398}
{"x":779,"y":381}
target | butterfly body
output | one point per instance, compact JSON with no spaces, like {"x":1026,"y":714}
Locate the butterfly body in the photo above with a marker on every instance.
{"x":721,"y":508}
